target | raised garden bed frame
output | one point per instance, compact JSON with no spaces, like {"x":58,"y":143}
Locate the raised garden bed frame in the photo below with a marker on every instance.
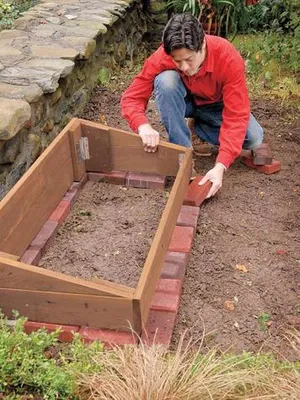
{"x":46,"y":296}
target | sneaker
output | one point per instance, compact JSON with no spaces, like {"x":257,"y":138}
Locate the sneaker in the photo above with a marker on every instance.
{"x":262,"y":155}
{"x":203,"y":149}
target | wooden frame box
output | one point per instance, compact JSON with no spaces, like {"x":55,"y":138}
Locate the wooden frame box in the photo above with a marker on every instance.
{"x":47,"y":296}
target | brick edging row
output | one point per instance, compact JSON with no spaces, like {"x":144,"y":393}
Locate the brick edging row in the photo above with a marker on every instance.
{"x":165,"y":304}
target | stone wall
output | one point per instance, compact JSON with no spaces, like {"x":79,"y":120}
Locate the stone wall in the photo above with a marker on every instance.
{"x":49,"y":63}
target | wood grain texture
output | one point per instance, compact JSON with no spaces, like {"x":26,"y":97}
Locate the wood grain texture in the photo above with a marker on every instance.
{"x":99,"y":145}
{"x":116,"y":149}
{"x":28,"y":205}
{"x":75,"y":135}
{"x":149,"y":277}
{"x":69,"y":309}
{"x":127,"y":154}
{"x":17,"y":275}
{"x":9,"y":256}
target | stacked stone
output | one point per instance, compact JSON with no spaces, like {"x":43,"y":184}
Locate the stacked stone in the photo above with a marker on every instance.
{"x":49,"y":64}
{"x":158,"y":18}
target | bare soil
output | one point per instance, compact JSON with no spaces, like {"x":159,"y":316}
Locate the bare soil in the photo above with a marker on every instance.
{"x":241,"y":289}
{"x":108,"y":234}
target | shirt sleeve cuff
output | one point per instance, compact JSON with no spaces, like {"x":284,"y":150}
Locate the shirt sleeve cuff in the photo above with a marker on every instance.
{"x":136,"y":122}
{"x":225,"y":159}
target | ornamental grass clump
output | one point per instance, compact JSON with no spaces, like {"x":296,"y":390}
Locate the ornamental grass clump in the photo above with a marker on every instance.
{"x":155,"y":373}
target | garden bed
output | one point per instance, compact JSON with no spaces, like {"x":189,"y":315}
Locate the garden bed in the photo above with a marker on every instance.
{"x":108,"y":233}
{"x":83,"y":150}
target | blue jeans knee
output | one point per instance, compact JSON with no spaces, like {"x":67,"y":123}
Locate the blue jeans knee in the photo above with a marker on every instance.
{"x":170,"y":97}
{"x":254,"y":134}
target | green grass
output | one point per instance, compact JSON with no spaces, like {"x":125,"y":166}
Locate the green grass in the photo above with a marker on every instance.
{"x":273,"y":65}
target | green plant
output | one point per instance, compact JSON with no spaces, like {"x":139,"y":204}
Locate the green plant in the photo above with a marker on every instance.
{"x":263,"y":320}
{"x":272,"y":64}
{"x":12,"y":9}
{"x":274,"y":15}
{"x":38,"y":365}
{"x":220,"y":17}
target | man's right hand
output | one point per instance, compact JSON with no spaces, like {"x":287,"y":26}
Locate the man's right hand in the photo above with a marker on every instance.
{"x":149,"y":136}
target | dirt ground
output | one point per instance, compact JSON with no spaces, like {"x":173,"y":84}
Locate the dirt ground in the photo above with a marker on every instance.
{"x":108,"y":233}
{"x":241,"y":289}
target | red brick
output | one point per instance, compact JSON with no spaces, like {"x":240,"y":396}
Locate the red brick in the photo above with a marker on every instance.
{"x":159,"y":328}
{"x":65,"y":335}
{"x":108,"y":337}
{"x":182,"y":238}
{"x":44,"y":236}
{"x":270,"y":169}
{"x":146,"y":181}
{"x":174,"y":265}
{"x":61,"y":212}
{"x":72,"y":194}
{"x":31,"y":256}
{"x":188,"y":216}
{"x":116,"y":177}
{"x":265,"y":169}
{"x":172,"y":286}
{"x":165,"y":302}
{"x":196,"y":194}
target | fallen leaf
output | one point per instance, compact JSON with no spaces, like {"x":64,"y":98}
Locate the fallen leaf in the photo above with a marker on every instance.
{"x":229,"y":305}
{"x":241,"y":268}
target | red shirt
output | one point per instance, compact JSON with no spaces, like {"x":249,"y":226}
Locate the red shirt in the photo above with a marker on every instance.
{"x":221,"y":77}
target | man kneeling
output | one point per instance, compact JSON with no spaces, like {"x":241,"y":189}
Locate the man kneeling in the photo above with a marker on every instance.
{"x":197,"y":76}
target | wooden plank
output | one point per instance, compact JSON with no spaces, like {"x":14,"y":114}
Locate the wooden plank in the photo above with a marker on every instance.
{"x":127,"y":154}
{"x":99,"y":146}
{"x":147,"y":283}
{"x":75,"y":135}
{"x":9,"y":256}
{"x":27,"y":206}
{"x":69,"y":309}
{"x":17,"y":275}
{"x":115,"y":149}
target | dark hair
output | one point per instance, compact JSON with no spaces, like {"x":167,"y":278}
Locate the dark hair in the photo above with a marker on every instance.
{"x":183,"y":31}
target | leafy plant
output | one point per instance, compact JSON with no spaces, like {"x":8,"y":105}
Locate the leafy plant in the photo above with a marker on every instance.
{"x":219,"y":17}
{"x":275,"y":15}
{"x":263,"y":320}
{"x":37,"y":364}
{"x":11,"y":10}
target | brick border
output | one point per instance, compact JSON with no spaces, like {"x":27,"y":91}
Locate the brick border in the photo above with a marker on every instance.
{"x":163,"y":312}
{"x":165,"y":303}
{"x":43,"y":239}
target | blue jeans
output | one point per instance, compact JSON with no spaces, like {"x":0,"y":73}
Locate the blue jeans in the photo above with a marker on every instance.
{"x":174,"y":104}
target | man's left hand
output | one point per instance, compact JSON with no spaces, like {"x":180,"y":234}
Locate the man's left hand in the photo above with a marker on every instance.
{"x":215,"y":176}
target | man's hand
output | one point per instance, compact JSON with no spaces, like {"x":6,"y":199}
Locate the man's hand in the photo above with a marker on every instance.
{"x":150,"y":137}
{"x":215,"y":176}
